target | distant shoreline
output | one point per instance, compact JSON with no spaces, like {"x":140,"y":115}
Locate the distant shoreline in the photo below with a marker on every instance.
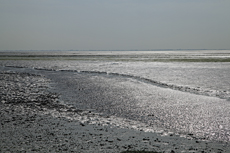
{"x":22,"y":50}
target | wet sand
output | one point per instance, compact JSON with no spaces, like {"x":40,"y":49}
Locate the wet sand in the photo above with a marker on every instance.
{"x":32,"y":119}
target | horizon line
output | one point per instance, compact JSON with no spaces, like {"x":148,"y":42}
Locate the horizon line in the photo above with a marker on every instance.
{"x":105,"y":49}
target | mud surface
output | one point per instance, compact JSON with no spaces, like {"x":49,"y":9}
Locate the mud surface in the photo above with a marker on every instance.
{"x":33,"y":119}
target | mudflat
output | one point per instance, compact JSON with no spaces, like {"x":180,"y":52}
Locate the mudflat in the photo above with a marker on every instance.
{"x":32,"y":119}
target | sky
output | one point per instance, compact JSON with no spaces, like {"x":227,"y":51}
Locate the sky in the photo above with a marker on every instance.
{"x":114,"y":24}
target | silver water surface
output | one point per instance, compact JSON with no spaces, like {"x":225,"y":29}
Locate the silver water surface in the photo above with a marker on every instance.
{"x":190,"y":98}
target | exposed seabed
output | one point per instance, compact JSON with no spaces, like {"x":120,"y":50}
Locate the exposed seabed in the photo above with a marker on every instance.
{"x":104,"y":109}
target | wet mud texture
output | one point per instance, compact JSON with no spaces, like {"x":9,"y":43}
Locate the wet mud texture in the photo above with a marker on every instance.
{"x":27,"y":125}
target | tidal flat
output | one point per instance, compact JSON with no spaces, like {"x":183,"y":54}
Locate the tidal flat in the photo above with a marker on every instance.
{"x":114,"y":101}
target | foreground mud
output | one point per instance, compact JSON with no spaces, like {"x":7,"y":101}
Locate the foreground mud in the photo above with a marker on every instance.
{"x":33,"y":120}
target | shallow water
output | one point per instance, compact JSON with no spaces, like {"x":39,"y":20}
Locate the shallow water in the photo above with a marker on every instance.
{"x":183,"y":97}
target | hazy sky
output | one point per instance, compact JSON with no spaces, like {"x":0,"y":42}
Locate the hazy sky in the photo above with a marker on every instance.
{"x":114,"y":24}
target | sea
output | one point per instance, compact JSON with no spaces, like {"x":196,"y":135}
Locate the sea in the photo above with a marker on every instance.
{"x":181,"y":91}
